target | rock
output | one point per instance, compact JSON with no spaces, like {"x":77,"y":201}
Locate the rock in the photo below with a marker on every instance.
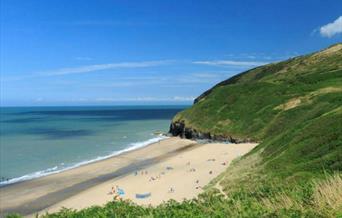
{"x":178,"y":128}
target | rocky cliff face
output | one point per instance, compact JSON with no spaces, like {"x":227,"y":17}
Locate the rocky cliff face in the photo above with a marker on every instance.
{"x":178,"y":128}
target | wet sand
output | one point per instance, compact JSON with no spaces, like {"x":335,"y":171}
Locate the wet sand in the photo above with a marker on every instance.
{"x":171,"y":169}
{"x":35,"y":195}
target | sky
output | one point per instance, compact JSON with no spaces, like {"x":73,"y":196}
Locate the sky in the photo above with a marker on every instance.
{"x":115,"y":52}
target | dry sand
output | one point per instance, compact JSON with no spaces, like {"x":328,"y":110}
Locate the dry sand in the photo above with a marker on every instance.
{"x":188,"y":173}
{"x":90,"y":184}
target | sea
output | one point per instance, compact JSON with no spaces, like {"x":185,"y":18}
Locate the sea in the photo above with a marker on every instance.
{"x":38,"y":141}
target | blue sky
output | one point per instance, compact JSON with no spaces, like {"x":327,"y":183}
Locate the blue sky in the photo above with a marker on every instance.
{"x":62,"y":52}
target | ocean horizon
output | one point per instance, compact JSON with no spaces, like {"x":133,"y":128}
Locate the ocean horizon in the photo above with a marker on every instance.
{"x":39,"y":141}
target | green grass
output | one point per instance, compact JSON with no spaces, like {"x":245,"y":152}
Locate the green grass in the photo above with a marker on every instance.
{"x":294,"y":108}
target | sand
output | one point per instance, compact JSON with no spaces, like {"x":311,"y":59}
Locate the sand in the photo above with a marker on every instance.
{"x":191,"y":167}
{"x":178,"y":177}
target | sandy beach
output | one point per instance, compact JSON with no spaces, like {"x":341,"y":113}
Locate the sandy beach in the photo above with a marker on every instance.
{"x":170,"y":169}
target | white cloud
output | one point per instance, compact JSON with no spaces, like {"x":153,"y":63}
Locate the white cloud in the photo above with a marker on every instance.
{"x":183,"y":98}
{"x":39,"y":99}
{"x":125,"y":83}
{"x":231,"y":63}
{"x":214,"y":74}
{"x":147,"y":99}
{"x":185,"y":78}
{"x":81,"y":58}
{"x":112,"y":23}
{"x":205,"y":75}
{"x":99,"y":67}
{"x":331,"y":29}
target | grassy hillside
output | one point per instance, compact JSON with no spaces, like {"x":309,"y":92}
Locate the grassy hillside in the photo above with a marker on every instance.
{"x":294,"y":109}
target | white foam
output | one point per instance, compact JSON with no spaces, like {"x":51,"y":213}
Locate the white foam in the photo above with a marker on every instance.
{"x":37,"y":174}
{"x":57,"y":169}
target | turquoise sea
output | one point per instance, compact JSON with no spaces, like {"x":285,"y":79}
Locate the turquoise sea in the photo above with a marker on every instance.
{"x":37,"y":141}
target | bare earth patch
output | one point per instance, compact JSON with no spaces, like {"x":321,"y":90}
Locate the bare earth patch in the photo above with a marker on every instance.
{"x":295,"y":102}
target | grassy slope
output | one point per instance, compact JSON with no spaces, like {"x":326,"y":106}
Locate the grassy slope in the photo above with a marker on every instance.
{"x":294,"y":108}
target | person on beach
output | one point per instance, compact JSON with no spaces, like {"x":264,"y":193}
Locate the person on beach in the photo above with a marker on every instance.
{"x":116,"y":197}
{"x":113,"y":190}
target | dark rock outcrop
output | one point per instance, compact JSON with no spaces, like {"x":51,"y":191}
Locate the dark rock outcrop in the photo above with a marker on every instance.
{"x":179,"y":128}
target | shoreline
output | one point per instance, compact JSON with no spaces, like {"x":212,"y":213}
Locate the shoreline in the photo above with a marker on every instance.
{"x":72,"y":188}
{"x":30,"y":196}
{"x":183,"y":175}
{"x":47,"y":172}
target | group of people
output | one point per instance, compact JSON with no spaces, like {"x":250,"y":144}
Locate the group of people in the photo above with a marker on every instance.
{"x":171,"y":190}
{"x":143,"y":172}
{"x":152,"y":178}
{"x":117,"y":192}
{"x":114,"y":192}
{"x":212,"y":159}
